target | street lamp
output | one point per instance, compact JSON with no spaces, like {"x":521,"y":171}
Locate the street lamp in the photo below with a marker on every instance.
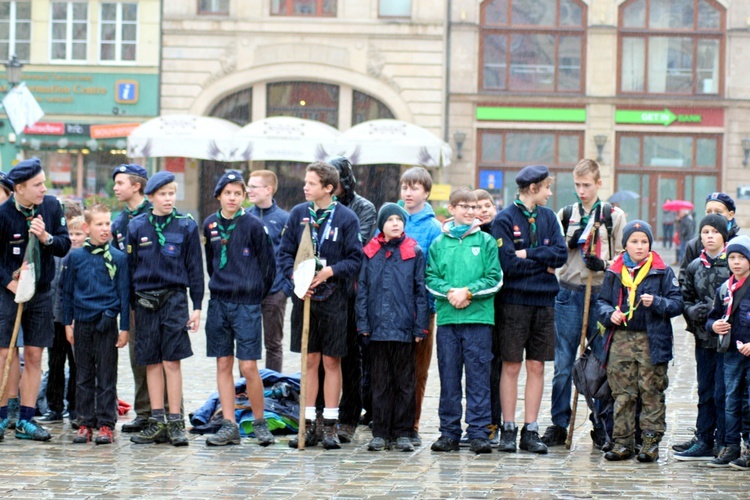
{"x":600,"y":141}
{"x":746,"y":150}
{"x":13,"y":71}
{"x":459,"y":136}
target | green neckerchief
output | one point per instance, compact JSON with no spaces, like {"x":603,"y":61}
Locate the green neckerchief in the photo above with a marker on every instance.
{"x":136,"y":210}
{"x":159,"y":228}
{"x":584,"y":216}
{"x":314,"y":219}
{"x":28,"y":213}
{"x":531,"y":217}
{"x":105,"y":253}
{"x":458,"y":231}
{"x":226,"y":233}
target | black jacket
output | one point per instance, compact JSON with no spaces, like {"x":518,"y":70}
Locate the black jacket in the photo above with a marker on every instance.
{"x":698,"y":291}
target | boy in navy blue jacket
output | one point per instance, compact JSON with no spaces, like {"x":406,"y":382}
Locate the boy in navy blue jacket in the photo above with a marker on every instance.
{"x":95,"y":289}
{"x":338,"y":250}
{"x":240,"y":261}
{"x":164,"y":258}
{"x":531,"y":246}
{"x":392,"y":311}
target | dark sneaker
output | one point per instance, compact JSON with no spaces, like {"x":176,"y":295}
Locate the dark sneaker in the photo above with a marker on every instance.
{"x":155,"y":432}
{"x":4,"y":423}
{"x":104,"y":436}
{"x":404,"y":444}
{"x":176,"y":433}
{"x":135,"y":425}
{"x":530,"y":441}
{"x":729,"y":453}
{"x":376,"y":444}
{"x":346,"y":433}
{"x":618,"y":453}
{"x":608,"y":446}
{"x":555,"y":435}
{"x":311,"y":436}
{"x":444,"y":443}
{"x":330,"y":438}
{"x":262,"y":434}
{"x":228,"y":433}
{"x":30,"y":429}
{"x":83,"y":436}
{"x":416,"y":439}
{"x":680,"y":447}
{"x":600,"y":439}
{"x":481,"y":445}
{"x":508,"y":440}
{"x":742,"y":463}
{"x":51,"y":417}
{"x":365,"y":419}
{"x":650,"y":447}
{"x":699,"y":451}
{"x":75,"y":424}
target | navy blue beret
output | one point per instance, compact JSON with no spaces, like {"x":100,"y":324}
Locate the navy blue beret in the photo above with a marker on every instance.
{"x":5,"y":182}
{"x":229,"y":176}
{"x":158,"y":180}
{"x":130,"y":169}
{"x":722,"y":198}
{"x":531,"y":175}
{"x":25,"y":170}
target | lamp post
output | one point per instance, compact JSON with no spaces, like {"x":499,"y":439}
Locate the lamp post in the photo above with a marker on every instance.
{"x":746,"y":150}
{"x":13,"y":71}
{"x":459,"y":136}
{"x":600,"y":140}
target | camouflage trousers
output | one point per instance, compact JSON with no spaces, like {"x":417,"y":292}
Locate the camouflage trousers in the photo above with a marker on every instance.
{"x":631,"y":374}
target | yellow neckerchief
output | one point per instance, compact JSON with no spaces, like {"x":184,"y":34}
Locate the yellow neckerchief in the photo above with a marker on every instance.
{"x":631,"y":285}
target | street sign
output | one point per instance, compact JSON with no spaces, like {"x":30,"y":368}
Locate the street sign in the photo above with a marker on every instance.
{"x":513,"y":114}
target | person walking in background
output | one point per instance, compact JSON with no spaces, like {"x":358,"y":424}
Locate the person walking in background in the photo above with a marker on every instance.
{"x":686,"y":231}
{"x":669,"y":217}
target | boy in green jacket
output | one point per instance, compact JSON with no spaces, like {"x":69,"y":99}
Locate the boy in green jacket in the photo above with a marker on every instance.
{"x":463,"y":274}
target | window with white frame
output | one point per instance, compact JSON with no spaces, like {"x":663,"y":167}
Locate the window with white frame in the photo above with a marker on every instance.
{"x":394,"y":8}
{"x":70,"y":23}
{"x":119,"y":30}
{"x":213,"y":7}
{"x":15,"y":30}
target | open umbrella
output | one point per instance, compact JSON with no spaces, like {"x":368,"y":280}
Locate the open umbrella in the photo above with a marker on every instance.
{"x":677,"y":205}
{"x":624,"y":195}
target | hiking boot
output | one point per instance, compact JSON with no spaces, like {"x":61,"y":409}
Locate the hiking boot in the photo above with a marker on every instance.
{"x":346,"y":433}
{"x":492,"y":429}
{"x":135,"y":425}
{"x":377,"y":444}
{"x":650,"y":447}
{"x":4,"y":423}
{"x":404,"y":444}
{"x":508,"y":440}
{"x":742,"y":463}
{"x":330,"y":438}
{"x":51,"y":417}
{"x":680,"y":447}
{"x":728,"y":454}
{"x":30,"y":429}
{"x":416,"y":439}
{"x":176,"y":432}
{"x":155,"y":432}
{"x":83,"y":436}
{"x":311,"y":436}
{"x":262,"y":434}
{"x":14,"y":409}
{"x":319,"y":426}
{"x":104,"y":436}
{"x":444,"y":443}
{"x":554,"y":435}
{"x":530,"y":442}
{"x":699,"y":451}
{"x":481,"y":445}
{"x":228,"y":433}
{"x":618,"y":453}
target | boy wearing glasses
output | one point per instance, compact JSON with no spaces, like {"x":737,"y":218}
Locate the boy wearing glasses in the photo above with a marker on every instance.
{"x":260,"y":191}
{"x":463,"y":275}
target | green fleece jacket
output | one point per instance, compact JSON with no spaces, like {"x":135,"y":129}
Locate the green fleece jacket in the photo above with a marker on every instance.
{"x":470,"y":261}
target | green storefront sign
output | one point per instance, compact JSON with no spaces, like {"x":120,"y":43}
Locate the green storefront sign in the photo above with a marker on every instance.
{"x":642,"y":117}
{"x":512,"y":114}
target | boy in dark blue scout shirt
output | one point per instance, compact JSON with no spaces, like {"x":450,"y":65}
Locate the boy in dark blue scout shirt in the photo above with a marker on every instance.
{"x":164,"y":257}
{"x":531,"y":247}
{"x":28,"y":210}
{"x":240,"y":261}
{"x":335,"y":234}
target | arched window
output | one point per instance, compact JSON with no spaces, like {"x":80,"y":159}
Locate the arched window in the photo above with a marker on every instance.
{"x":671,"y":47}
{"x":308,"y":100}
{"x":532,"y":45}
{"x":237,"y":107}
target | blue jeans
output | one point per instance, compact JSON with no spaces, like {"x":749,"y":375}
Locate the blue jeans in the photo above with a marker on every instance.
{"x":710,"y":421}
{"x":469,"y":348}
{"x":736,"y":370}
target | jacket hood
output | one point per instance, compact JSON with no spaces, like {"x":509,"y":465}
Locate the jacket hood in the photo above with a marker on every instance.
{"x":657,"y":264}
{"x":475,"y":228}
{"x":426,"y":213}
{"x":406,"y":247}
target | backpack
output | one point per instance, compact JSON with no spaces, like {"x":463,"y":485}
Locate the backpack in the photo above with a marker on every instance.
{"x":606,"y":213}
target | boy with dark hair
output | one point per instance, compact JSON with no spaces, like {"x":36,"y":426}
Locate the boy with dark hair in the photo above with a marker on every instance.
{"x":531,"y":246}
{"x":95,"y":289}
{"x":335,"y":238}
{"x":164,"y":258}
{"x":463,"y":274}
{"x":240,"y":261}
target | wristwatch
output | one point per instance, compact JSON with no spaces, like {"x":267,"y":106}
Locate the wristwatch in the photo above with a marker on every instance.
{"x":49,"y":240}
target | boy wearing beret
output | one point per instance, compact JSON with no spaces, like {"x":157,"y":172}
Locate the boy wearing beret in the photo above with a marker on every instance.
{"x":164,"y":258}
{"x":240,"y":261}
{"x":29,"y":213}
{"x":531,"y":246}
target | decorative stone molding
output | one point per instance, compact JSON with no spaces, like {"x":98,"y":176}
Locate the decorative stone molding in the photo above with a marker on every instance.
{"x":375,"y":64}
{"x":227,"y":64}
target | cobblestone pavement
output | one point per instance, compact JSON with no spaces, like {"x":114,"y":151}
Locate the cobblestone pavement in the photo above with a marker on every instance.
{"x":60,"y":469}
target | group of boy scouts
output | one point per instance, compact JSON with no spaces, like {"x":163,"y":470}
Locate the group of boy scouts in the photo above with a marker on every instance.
{"x":502,"y":289}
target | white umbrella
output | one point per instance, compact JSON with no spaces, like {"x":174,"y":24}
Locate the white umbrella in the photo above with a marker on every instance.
{"x":185,"y":136}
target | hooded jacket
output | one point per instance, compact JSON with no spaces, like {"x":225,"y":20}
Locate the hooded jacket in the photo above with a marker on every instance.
{"x":694,"y":247}
{"x":698,"y":291}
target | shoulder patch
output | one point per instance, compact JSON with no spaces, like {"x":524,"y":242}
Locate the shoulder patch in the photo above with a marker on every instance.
{"x":62,"y":221}
{"x":499,"y":243}
{"x":675,"y":282}
{"x":130,"y":248}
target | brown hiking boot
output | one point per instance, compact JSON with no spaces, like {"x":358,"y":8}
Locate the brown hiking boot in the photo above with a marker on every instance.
{"x":330,"y":438}
{"x":650,"y":448}
{"x":618,"y":453}
{"x":311,"y":436}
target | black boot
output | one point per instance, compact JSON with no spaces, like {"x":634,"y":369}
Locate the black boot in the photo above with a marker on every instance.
{"x":311,"y":438}
{"x":330,"y":437}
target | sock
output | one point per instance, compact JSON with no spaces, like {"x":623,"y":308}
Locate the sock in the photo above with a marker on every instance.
{"x":174,"y":416}
{"x":330,"y":413}
{"x":509,"y":426}
{"x":533,"y":426}
{"x":310,"y":413}
{"x":27,"y":413}
{"x":157,"y":414}
{"x":3,"y":412}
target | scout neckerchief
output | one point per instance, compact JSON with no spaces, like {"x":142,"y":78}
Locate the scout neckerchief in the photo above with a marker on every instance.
{"x":587,"y":223}
{"x":531,"y":217}
{"x":105,"y":253}
{"x":226,"y":233}
{"x":709,"y":261}
{"x":458,"y":231}
{"x":584,"y":216}
{"x":632,"y":277}
{"x":28,"y":213}
{"x":159,"y":228}
{"x":318,"y":237}
{"x":136,"y":210}
{"x":732,"y":286}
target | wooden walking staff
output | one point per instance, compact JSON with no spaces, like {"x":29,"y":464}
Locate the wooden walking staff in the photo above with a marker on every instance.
{"x":304,"y":272}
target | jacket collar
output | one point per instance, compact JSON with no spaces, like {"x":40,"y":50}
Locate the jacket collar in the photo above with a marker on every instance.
{"x":406,"y":248}
{"x":475,"y":228}
{"x":657,"y":264}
